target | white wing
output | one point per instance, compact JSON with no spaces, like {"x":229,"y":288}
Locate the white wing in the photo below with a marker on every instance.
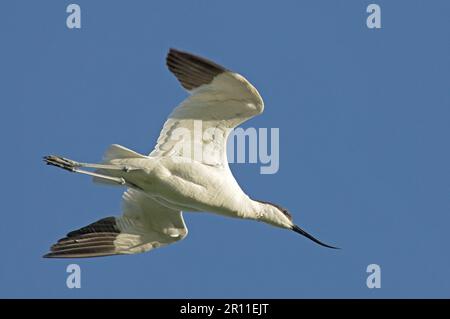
{"x":220,"y":100}
{"x":144,"y":225}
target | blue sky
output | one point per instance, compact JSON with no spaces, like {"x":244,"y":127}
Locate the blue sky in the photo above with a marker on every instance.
{"x":364,"y":144}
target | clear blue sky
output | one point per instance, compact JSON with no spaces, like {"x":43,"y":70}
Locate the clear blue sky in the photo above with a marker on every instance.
{"x":364,"y":153}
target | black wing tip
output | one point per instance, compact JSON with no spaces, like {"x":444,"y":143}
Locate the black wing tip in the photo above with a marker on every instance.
{"x":56,"y":255}
{"x":78,"y":256}
{"x":104,"y":225}
{"x":93,"y":240}
{"x":52,"y":255}
{"x":192,"y":70}
{"x":180,"y":54}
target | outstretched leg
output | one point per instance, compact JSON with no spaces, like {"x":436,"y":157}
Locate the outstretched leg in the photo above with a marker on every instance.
{"x":75,"y":167}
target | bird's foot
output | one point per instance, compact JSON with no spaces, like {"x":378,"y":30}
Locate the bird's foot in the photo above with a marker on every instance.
{"x":61,"y":162}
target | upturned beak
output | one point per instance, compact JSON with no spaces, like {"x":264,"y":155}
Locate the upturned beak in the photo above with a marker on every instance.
{"x":304,"y":233}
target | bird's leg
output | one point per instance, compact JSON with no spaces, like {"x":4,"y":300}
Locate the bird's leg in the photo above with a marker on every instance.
{"x":74,"y":166}
{"x":61,"y":162}
{"x":70,"y":165}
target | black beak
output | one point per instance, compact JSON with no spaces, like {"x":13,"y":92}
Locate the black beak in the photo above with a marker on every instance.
{"x":302,"y":232}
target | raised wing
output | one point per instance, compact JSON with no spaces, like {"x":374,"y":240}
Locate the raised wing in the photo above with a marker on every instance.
{"x":144,"y":225}
{"x":220,"y":100}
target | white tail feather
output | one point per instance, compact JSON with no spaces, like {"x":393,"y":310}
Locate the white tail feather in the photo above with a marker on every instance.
{"x":115,"y":151}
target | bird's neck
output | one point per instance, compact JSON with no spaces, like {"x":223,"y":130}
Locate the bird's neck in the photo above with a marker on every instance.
{"x":265,"y":212}
{"x":251,"y":209}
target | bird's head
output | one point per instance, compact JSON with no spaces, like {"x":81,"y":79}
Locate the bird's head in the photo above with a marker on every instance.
{"x":280,"y":217}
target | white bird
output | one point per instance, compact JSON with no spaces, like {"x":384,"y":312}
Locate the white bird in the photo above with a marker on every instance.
{"x":170,"y":180}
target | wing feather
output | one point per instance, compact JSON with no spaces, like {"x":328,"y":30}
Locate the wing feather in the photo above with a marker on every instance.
{"x":144,"y":225}
{"x":220,"y":100}
{"x":192,"y":71}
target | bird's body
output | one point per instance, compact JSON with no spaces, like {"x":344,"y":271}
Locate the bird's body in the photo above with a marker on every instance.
{"x":187,"y":185}
{"x":187,"y":170}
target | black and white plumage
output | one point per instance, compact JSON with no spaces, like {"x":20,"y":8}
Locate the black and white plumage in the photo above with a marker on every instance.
{"x":170,"y":180}
{"x":144,"y":225}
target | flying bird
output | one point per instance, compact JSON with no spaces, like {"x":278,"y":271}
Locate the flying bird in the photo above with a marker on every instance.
{"x":170,"y":179}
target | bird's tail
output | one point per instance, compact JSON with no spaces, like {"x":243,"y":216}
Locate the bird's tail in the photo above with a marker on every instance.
{"x":115,"y":152}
